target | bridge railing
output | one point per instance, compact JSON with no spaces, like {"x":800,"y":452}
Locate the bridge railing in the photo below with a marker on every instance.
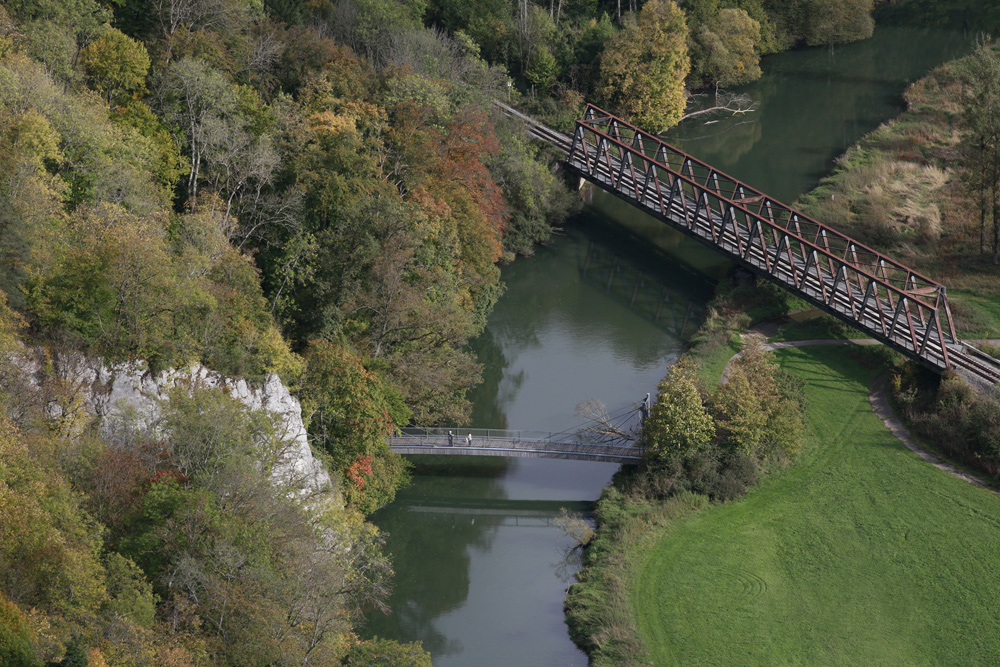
{"x":875,"y":292}
{"x":481,"y":436}
{"x":503,"y":442}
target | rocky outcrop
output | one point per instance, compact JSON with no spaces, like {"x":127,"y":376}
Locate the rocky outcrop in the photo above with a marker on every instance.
{"x":108,"y":391}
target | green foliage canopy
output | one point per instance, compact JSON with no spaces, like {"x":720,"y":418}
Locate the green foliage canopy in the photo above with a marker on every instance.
{"x":679,"y":421}
{"x":643,"y":67}
{"x":116,"y":65}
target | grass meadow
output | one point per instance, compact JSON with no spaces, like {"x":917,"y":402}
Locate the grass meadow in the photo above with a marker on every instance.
{"x":858,"y":553}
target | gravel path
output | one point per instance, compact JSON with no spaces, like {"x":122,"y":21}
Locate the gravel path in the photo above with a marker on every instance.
{"x":880,"y":405}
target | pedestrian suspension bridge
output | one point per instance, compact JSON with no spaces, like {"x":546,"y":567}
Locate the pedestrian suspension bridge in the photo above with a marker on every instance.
{"x":870,"y":291}
{"x":611,"y":439}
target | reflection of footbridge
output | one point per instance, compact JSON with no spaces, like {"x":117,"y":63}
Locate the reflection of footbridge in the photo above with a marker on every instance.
{"x":870,"y":291}
{"x":643,"y":293}
{"x":501,"y":512}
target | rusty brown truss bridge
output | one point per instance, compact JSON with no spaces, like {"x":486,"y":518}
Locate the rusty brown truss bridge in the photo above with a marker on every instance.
{"x":870,"y":291}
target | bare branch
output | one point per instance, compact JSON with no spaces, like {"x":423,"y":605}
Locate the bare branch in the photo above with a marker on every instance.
{"x":600,"y":425}
{"x":732,"y":104}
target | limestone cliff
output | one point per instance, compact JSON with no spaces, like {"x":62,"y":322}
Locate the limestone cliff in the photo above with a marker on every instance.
{"x":107,"y":391}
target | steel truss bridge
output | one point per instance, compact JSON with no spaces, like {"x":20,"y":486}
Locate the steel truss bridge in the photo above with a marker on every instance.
{"x":870,"y":291}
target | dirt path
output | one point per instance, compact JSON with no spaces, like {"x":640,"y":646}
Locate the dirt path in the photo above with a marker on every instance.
{"x":880,"y":405}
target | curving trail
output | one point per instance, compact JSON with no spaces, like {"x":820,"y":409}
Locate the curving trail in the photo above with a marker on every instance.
{"x":880,"y":405}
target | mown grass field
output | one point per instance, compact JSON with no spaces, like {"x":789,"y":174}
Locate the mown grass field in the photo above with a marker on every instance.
{"x":712,"y":360}
{"x":858,"y":554}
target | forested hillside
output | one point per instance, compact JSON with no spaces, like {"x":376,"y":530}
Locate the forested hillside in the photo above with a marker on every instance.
{"x":316,"y":189}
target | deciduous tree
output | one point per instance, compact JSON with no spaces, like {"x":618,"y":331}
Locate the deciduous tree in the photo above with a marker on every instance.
{"x":679,"y":420}
{"x":16,"y":638}
{"x":643,"y":67}
{"x":116,"y":66}
{"x":981,"y":139}
{"x":758,"y":411}
{"x":837,"y":21}
{"x":351,"y":413}
{"x":383,"y":653}
{"x":727,"y":48}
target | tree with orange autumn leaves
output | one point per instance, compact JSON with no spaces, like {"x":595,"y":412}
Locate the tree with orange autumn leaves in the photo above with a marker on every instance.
{"x":350,"y":413}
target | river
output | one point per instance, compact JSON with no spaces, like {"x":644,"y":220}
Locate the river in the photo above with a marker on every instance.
{"x":480,"y":567}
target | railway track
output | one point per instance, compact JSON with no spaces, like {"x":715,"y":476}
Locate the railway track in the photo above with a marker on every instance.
{"x":768,"y":260}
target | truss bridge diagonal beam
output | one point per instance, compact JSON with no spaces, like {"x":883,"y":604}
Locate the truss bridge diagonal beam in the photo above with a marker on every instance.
{"x":871,"y":291}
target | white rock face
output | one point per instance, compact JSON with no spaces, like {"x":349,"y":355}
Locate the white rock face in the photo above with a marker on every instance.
{"x":108,"y":391}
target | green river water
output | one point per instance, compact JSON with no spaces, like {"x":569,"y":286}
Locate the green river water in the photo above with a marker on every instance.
{"x":480,"y":569}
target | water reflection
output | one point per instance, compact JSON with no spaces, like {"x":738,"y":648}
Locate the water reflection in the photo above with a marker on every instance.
{"x":968,"y":16}
{"x":687,"y":264}
{"x":651,"y":299}
{"x":598,"y":315}
{"x":486,"y":397}
{"x":423,"y":594}
{"x":481,"y":569}
{"x":814,"y":102}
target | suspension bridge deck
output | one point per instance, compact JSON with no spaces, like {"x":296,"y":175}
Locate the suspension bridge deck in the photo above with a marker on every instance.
{"x":516,"y":444}
{"x":868,"y":290}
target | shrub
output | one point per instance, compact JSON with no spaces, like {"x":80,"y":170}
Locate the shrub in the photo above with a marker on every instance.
{"x":16,"y":646}
{"x":953,"y":415}
{"x":386,"y":653}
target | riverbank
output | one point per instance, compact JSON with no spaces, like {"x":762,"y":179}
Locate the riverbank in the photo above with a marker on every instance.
{"x":850,"y":552}
{"x":900,"y":190}
{"x":835,"y":559}
{"x":641,"y":506}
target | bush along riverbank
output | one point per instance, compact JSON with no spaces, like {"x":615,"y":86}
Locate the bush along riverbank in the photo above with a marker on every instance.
{"x":708,"y":441}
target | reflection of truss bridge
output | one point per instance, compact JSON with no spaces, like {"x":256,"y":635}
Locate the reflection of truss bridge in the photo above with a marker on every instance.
{"x":643,"y":294}
{"x":607,"y":439}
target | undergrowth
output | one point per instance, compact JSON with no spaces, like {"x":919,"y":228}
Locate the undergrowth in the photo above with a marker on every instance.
{"x":599,"y":609}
